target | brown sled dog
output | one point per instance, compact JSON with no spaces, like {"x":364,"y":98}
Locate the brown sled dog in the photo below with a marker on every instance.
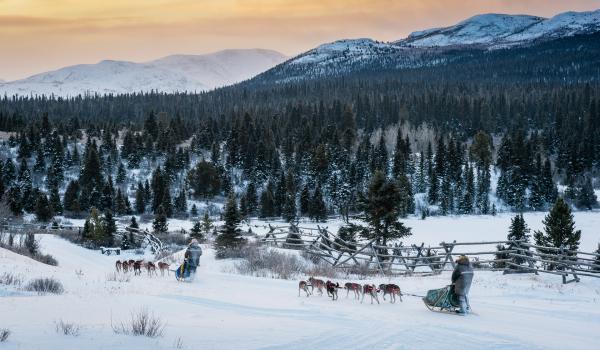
{"x":354,"y":287}
{"x":303,"y":286}
{"x":392,"y":290}
{"x":371,"y":290}
{"x":316,"y":283}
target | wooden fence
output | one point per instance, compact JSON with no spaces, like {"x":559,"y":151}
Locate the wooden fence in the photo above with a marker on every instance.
{"x":397,"y":259}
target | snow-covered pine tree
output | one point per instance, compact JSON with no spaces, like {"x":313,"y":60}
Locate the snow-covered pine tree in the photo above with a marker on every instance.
{"x":207,"y":224}
{"x":43,"y":210}
{"x":586,"y":198}
{"x":160,"y":224}
{"x":318,"y":210}
{"x":559,"y":229}
{"x":197,"y":232}
{"x":230,"y":238}
{"x":518,"y":231}
{"x":406,"y":200}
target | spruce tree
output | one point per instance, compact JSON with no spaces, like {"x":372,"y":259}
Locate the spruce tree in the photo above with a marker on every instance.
{"x":14,"y":200}
{"x":55,"y":203}
{"x":406,"y":202}
{"x":586,"y":198}
{"x":121,"y":174}
{"x":196,"y":231}
{"x":518,"y":231}
{"x":305,"y":201}
{"x":251,"y":199}
{"x":71,"y":197}
{"x":160,"y":224}
{"x":466,"y":202}
{"x":43,"y":210}
{"x":380,"y":210}
{"x":194,"y":210}
{"x":109,"y":228}
{"x":140,"y":199}
{"x":207,"y":224}
{"x":559,"y":228}
{"x":229,"y":239}
{"x":318,"y":209}
{"x":267,"y":209}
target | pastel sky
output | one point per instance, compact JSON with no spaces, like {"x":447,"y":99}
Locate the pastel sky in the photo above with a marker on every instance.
{"x":40,"y":35}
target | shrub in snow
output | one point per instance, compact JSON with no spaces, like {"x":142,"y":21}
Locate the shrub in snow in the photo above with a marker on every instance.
{"x":269,"y":263}
{"x":142,"y":323}
{"x":45,"y":285}
{"x":67,"y":328}
{"x":118,"y":277}
{"x":4,"y":333}
{"x":11,"y":279}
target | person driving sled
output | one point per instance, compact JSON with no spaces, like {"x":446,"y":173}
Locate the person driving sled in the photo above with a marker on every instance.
{"x":192,"y":257}
{"x":461,"y":282}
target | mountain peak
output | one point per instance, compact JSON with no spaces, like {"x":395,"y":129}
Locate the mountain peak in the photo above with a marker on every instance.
{"x":502,"y":29}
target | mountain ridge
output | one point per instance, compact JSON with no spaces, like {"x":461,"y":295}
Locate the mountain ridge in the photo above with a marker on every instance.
{"x":170,"y":74}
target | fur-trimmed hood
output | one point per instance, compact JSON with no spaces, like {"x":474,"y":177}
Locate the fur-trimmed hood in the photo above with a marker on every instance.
{"x":463,"y":260}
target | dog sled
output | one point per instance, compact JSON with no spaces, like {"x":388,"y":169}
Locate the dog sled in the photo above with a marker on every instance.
{"x":185,"y":273}
{"x":443,"y":300}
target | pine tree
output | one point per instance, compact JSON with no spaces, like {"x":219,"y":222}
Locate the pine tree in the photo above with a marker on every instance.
{"x":251,"y":199}
{"x":466,"y":202}
{"x":305,"y":201}
{"x":194,"y":210}
{"x":55,"y":203}
{"x":13,"y":199}
{"x":267,"y":209}
{"x":318,"y":210}
{"x":71,"y":197}
{"x":181,"y":202}
{"x":586,"y":198}
{"x":243,"y":208}
{"x":160,"y":224}
{"x":406,"y":203}
{"x":196,"y":231}
{"x":140,"y":199}
{"x":121,"y":174}
{"x":381,"y":211}
{"x":133,"y":223}
{"x":559,"y":228}
{"x":207,"y":224}
{"x":230,"y":236}
{"x":109,"y":228}
{"x":43,"y":210}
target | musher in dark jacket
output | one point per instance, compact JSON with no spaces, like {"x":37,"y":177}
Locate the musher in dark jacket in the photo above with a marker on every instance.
{"x":461,"y":282}
{"x":192,"y":256}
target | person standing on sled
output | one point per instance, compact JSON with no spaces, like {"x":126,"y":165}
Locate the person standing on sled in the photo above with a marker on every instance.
{"x":192,"y":257}
{"x":461,"y":282}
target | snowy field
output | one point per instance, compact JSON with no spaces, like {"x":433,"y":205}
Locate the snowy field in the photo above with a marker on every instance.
{"x":221,"y":310}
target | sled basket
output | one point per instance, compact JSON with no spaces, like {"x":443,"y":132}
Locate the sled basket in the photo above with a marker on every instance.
{"x":442,"y":299}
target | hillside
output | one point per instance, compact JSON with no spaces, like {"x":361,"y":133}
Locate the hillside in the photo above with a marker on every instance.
{"x":171,"y":74}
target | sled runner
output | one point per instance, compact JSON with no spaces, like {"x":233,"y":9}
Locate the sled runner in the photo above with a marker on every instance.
{"x":442,"y":300}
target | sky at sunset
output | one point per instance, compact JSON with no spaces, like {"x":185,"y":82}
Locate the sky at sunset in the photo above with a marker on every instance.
{"x":40,"y":35}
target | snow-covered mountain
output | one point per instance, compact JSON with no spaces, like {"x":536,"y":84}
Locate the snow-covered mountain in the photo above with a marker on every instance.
{"x":177,"y":73}
{"x":498,"y":30}
{"x":432,"y":47}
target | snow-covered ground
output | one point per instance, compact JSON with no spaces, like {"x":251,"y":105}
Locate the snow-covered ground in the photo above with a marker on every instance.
{"x":220,"y":310}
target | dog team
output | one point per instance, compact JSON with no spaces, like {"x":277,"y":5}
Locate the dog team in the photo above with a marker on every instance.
{"x":331,"y":288}
{"x":136,"y":267}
